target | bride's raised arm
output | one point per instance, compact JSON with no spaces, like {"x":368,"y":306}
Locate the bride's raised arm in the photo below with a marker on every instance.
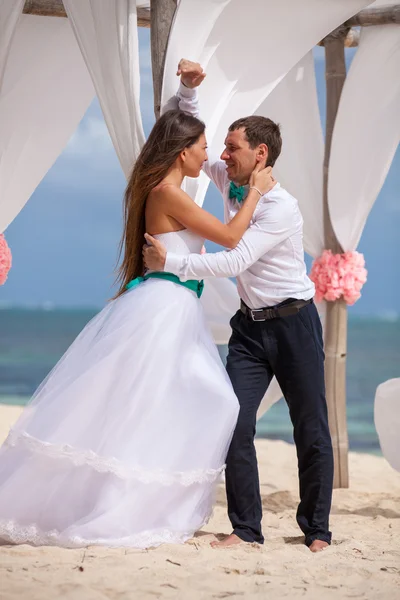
{"x":178,"y":205}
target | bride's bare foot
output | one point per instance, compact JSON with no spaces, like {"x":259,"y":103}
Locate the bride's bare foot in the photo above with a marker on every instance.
{"x":231,"y":540}
{"x":318,"y":545}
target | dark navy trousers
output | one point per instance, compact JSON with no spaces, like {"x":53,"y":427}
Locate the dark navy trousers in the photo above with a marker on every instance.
{"x":292,"y":349}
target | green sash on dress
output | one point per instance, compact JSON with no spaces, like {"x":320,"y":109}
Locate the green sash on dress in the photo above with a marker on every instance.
{"x":192,"y":284}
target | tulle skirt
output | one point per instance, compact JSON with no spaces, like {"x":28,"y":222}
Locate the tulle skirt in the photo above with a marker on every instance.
{"x":124,"y":442}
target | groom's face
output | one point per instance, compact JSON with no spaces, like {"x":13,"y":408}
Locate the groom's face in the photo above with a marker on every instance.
{"x":240,"y":159}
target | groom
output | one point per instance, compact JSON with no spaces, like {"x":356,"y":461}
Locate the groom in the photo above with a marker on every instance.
{"x":277,"y":330}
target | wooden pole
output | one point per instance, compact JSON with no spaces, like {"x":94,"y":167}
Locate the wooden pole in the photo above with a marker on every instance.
{"x":161,"y":17}
{"x":44,"y":8}
{"x":351,"y":41}
{"x":352,"y":38}
{"x":336,"y":312}
{"x":384,"y":15}
{"x":55,"y":8}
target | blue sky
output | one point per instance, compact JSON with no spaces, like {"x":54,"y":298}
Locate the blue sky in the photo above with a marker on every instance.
{"x":64,"y":241}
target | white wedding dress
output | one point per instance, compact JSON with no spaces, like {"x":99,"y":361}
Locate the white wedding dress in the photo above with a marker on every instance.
{"x":125,"y":440}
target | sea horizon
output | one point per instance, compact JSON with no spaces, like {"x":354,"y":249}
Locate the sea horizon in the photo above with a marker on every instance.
{"x":49,"y":306}
{"x":34,"y":338}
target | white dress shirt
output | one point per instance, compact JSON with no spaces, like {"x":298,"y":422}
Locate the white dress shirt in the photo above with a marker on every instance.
{"x":269,"y":260}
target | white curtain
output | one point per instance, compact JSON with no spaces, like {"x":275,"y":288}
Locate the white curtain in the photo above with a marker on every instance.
{"x":387,"y":420}
{"x":246,"y":49}
{"x":107,"y":35}
{"x":366,"y":133}
{"x":45,"y":93}
{"x":294,"y":105}
{"x":10,"y":11}
{"x":220,"y":301}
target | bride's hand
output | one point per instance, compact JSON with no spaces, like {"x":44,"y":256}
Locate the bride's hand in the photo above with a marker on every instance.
{"x":262,"y":179}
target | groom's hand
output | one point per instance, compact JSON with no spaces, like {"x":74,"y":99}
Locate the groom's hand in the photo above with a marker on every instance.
{"x":154,"y":254}
{"x":191,"y":73}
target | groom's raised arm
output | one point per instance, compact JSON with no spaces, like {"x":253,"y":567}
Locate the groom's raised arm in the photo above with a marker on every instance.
{"x":187,"y":100}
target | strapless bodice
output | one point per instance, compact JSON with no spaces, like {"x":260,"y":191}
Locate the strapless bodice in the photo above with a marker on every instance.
{"x":181,"y":242}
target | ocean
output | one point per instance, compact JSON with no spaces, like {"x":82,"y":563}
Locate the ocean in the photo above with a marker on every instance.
{"x":31,"y":342}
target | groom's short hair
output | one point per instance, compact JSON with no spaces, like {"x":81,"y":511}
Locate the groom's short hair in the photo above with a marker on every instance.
{"x":261,"y":130}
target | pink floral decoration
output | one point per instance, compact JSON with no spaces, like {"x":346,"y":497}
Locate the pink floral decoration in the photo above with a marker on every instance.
{"x":339,"y":276}
{"x":5,"y":259}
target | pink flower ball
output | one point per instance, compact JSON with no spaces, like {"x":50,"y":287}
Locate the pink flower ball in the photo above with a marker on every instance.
{"x":338,"y":276}
{"x":5,"y":259}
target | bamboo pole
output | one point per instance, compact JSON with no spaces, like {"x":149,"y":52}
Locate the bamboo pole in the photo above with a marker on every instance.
{"x":336,"y":312}
{"x":161,"y":17}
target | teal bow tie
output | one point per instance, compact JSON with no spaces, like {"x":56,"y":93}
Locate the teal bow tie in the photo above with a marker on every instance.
{"x":238,"y":192}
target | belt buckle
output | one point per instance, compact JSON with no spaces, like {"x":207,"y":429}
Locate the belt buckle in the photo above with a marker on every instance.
{"x":256,"y":310}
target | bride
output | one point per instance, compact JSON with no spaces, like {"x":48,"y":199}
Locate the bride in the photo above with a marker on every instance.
{"x":125,"y":440}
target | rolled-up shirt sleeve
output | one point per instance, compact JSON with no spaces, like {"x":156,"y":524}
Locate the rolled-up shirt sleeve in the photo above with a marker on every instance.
{"x":274,"y":224}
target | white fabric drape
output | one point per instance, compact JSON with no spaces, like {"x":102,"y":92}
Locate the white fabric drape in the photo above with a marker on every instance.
{"x":294,"y":105}
{"x":387,"y":420}
{"x":366,"y":133}
{"x":220,"y":301}
{"x":107,"y":35}
{"x":245,"y":59}
{"x":10,"y":11}
{"x":45,"y":93}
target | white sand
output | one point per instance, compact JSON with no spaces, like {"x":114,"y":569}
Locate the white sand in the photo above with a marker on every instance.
{"x":363,"y":562}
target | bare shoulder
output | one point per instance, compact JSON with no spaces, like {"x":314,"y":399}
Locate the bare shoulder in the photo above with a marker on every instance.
{"x":166,"y":192}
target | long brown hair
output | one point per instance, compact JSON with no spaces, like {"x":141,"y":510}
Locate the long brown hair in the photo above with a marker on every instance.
{"x":172,"y":133}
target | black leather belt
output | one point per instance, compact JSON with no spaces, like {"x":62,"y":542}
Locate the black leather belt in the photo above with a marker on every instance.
{"x":273,"y":312}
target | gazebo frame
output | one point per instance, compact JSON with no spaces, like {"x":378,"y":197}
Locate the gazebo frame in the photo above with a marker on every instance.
{"x":159,"y":18}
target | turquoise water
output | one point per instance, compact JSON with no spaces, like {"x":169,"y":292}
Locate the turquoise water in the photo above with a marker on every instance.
{"x":31,"y":342}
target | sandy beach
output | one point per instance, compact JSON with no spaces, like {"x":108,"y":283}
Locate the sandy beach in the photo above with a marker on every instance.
{"x":363,"y":561}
